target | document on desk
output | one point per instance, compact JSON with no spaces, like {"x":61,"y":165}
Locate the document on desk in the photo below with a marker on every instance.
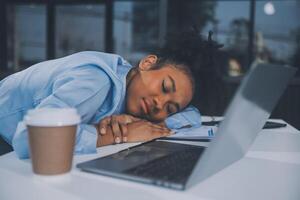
{"x":195,"y":133}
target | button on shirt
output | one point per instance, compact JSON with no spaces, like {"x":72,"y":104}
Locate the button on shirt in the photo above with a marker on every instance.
{"x":92,"y":82}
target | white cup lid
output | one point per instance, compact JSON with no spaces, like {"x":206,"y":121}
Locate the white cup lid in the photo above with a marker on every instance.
{"x":52,"y":117}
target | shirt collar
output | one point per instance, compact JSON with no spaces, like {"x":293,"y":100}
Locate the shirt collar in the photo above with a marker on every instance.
{"x":123,"y":69}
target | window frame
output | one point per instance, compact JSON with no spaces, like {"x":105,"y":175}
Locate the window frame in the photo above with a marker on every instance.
{"x":109,"y":4}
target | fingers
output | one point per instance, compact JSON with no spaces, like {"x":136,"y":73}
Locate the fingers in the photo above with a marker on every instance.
{"x":156,"y":126}
{"x":116,"y":130}
{"x":133,"y":119}
{"x":161,"y":127}
{"x":126,"y":119}
{"x":124,"y":130}
{"x":121,"y":119}
{"x":160,"y":132}
{"x":119,"y":125}
{"x":103,"y":124}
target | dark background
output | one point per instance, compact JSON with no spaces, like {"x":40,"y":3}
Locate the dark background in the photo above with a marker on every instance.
{"x":36,"y":30}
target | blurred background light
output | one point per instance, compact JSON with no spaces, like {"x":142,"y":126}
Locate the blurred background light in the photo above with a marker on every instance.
{"x":269,"y":8}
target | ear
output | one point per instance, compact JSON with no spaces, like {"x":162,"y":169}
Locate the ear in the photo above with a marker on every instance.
{"x":147,"y":62}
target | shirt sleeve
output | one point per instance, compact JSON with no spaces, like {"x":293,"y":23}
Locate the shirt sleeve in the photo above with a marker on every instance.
{"x":190,"y":116}
{"x":84,"y":89}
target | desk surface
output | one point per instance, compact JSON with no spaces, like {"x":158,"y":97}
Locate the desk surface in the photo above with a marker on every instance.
{"x":270,"y":170}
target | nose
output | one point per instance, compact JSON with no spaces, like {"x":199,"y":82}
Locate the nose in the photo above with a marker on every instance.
{"x":159,"y":101}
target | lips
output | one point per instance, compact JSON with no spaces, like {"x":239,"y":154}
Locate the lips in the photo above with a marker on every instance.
{"x":145,"y":106}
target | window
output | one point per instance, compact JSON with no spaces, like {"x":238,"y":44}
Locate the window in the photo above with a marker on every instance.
{"x":230,"y":25}
{"x":277,"y":31}
{"x":136,"y":28}
{"x":79,"y":28}
{"x":26,"y":35}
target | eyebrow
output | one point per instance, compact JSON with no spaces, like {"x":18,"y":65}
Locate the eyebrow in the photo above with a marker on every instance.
{"x":174,"y":90}
{"x":173,"y":84}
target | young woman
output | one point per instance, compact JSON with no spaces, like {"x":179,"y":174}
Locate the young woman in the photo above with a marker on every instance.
{"x":117,"y":102}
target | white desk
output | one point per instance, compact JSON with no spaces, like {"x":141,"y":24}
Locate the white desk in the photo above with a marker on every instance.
{"x":270,"y":170}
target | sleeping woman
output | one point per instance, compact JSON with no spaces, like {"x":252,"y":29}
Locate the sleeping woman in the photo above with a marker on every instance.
{"x":116,"y":101}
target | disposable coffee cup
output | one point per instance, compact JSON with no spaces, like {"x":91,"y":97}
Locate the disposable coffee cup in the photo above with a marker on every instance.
{"x":51,"y":133}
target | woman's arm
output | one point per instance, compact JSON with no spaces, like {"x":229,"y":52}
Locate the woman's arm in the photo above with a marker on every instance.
{"x":84,"y":89}
{"x":190,"y":116}
{"x":137,"y":131}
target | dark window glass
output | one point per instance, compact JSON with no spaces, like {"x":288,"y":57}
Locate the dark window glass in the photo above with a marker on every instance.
{"x":123,"y":35}
{"x":277,"y":31}
{"x":79,"y":28}
{"x":136,"y":28}
{"x":230,"y":25}
{"x":26,"y":35}
{"x":229,"y":21}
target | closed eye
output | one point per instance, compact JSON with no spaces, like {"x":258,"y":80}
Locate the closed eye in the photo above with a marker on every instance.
{"x":171,"y":108}
{"x":164,"y":88}
{"x":169,"y":85}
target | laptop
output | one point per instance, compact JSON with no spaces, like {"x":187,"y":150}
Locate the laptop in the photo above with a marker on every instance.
{"x":180,"y":166}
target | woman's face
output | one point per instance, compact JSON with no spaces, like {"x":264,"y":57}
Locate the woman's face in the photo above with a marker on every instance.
{"x":156,"y":94}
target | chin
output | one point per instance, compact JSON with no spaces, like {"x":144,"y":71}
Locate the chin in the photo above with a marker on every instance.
{"x":138,"y":114}
{"x":133,"y":112}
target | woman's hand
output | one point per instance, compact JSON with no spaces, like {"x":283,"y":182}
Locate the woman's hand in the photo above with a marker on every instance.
{"x":138,"y":131}
{"x":141,"y":131}
{"x":117,"y":125}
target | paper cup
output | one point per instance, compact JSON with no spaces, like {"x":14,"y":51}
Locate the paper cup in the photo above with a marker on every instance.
{"x":52,"y":134}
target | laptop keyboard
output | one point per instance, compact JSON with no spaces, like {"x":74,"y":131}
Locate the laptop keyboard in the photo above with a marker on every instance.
{"x":174,"y":168}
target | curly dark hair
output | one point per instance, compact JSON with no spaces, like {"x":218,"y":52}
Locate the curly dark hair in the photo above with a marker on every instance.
{"x":189,"y":52}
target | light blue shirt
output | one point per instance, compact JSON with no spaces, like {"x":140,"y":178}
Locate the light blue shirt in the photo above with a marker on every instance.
{"x":92,"y":82}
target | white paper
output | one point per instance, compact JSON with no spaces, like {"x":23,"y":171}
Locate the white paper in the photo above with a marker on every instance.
{"x":202,"y":132}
